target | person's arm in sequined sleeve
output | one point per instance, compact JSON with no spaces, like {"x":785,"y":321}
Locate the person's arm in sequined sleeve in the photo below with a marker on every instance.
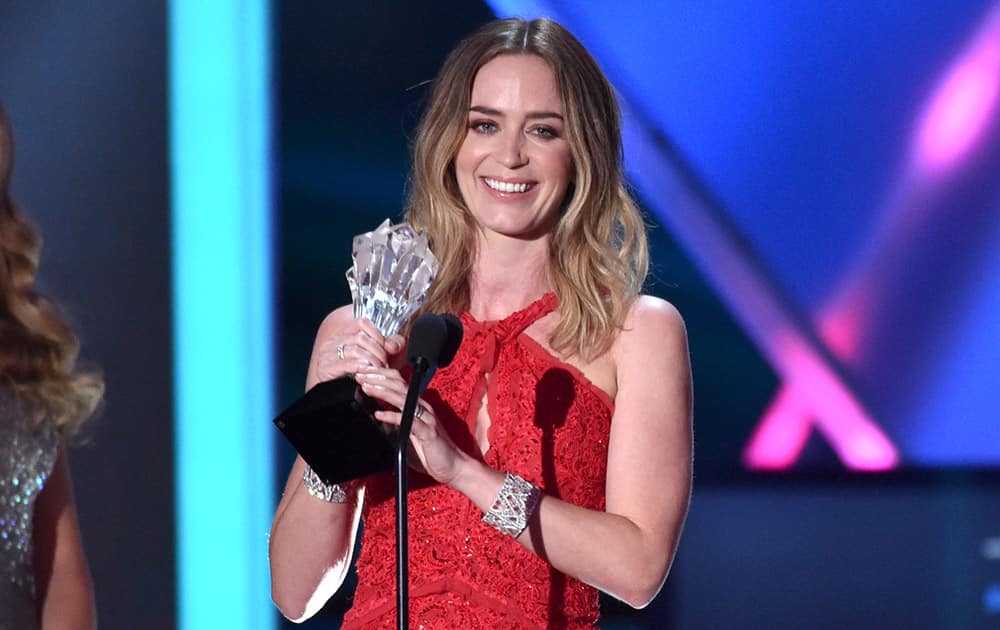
{"x":63,"y":592}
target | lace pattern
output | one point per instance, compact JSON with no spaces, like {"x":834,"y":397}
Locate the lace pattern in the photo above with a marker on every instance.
{"x":549,"y":425}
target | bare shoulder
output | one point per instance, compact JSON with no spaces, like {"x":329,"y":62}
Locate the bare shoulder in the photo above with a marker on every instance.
{"x":651,"y":322}
{"x":652,"y":346}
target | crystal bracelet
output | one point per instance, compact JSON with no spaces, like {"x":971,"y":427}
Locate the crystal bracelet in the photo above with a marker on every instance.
{"x":514,"y":505}
{"x":331,"y":493}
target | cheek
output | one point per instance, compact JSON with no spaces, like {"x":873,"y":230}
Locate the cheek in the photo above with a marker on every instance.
{"x":466,"y":161}
{"x":463,"y":169}
{"x":567,"y":172}
{"x":562,"y":163}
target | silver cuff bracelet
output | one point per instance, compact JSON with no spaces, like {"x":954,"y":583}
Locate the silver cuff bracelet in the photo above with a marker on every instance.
{"x":332,"y":493}
{"x":514,"y":505}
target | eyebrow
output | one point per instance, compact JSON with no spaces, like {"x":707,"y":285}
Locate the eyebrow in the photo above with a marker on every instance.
{"x":496,"y":112}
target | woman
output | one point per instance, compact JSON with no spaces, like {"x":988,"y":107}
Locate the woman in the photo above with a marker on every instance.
{"x":557,"y":445}
{"x":44,"y":580}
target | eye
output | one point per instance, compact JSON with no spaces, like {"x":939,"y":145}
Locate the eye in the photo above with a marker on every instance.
{"x":483,"y":126}
{"x":545,"y":132}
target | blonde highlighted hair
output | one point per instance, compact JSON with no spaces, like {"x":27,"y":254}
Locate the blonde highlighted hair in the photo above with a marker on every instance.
{"x":599,"y":257}
{"x":38,"y":351}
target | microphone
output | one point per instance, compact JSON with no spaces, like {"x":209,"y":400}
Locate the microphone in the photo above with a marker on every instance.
{"x":434,"y":340}
{"x":454,"y":340}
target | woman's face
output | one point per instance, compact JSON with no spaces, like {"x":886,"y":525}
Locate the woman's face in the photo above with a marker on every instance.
{"x":515,"y":165}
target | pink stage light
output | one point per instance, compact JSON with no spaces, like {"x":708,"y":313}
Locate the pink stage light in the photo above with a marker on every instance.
{"x":841,"y":328}
{"x":958,"y":114}
{"x":776,"y":444}
{"x":963,"y":104}
{"x":778,"y":441}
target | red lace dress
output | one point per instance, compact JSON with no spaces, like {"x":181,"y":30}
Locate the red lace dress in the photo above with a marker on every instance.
{"x":550,"y":425}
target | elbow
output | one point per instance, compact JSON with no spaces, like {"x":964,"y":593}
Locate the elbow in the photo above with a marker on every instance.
{"x":298,"y":600}
{"x":291,"y":608}
{"x":640,"y":596}
{"x":287,"y":594}
{"x":645,"y":585}
{"x":283,"y":595}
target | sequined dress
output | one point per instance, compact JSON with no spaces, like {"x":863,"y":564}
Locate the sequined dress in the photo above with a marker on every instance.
{"x":26,"y":459}
{"x":550,"y":425}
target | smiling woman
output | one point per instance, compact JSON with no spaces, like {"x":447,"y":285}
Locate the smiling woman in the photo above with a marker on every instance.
{"x":543,"y":469}
{"x":515,"y":165}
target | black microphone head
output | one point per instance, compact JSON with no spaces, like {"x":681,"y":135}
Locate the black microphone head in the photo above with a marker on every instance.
{"x":428,"y":337}
{"x":454,"y":340}
{"x":434,"y":338}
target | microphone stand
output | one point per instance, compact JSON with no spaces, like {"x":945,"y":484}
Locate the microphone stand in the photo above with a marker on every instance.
{"x":402,"y":535}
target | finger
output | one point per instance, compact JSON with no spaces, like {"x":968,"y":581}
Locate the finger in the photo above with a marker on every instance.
{"x":387,"y":374}
{"x":366,"y":325}
{"x":358,"y":349}
{"x":424,"y":425}
{"x":382,"y":389}
{"x":339,"y":349}
{"x":421,"y":430}
{"x":395,"y":344}
{"x":332,"y":368}
{"x":389,"y":417}
{"x":369,"y":329}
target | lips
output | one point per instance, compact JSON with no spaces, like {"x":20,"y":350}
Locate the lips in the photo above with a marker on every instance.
{"x":508,"y":187}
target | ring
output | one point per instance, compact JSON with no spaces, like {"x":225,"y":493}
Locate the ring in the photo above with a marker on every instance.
{"x":340,"y":352}
{"x":419,"y":412}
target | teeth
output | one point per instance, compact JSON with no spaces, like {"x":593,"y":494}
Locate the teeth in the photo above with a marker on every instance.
{"x":506,"y":187}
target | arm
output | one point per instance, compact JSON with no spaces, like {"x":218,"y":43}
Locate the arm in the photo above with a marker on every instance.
{"x":63,"y":592}
{"x":627,"y":549}
{"x":312,"y":540}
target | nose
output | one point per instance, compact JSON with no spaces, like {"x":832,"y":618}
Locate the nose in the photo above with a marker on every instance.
{"x":510,"y":150}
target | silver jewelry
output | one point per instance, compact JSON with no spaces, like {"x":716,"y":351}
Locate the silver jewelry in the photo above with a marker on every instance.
{"x":514,"y":505}
{"x":340,"y":352}
{"x":331,"y":493}
{"x":419,"y":412}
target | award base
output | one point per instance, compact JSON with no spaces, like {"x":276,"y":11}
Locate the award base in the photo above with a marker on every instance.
{"x":332,"y":427}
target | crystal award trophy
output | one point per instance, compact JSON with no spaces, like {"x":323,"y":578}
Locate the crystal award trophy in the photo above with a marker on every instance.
{"x":332,"y":426}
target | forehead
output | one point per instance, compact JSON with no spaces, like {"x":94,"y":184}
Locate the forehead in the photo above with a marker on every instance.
{"x":518,"y":83}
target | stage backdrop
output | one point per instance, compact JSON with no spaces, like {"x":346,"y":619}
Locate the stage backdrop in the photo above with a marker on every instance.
{"x":85,"y":88}
{"x":839,"y":160}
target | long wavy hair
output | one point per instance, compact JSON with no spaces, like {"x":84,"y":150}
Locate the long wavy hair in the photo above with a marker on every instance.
{"x":599,"y":257}
{"x":38,"y":351}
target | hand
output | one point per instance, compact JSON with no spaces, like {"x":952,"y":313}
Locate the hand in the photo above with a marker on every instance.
{"x":346,"y":347}
{"x":437,"y":454}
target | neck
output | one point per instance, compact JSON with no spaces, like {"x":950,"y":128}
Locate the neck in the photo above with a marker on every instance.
{"x":508,"y":276}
